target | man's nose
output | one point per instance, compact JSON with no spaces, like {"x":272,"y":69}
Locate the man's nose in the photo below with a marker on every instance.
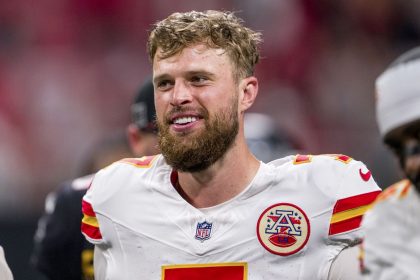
{"x":181,"y":94}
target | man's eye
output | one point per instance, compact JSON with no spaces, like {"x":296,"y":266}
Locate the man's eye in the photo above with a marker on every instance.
{"x":163,"y":85}
{"x":198,"y":79}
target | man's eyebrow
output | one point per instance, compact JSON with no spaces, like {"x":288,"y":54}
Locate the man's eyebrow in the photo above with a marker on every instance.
{"x":186,"y":74}
{"x":160,"y":78}
{"x":200,"y":72}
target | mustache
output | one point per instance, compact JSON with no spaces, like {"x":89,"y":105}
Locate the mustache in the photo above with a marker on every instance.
{"x":201,"y":112}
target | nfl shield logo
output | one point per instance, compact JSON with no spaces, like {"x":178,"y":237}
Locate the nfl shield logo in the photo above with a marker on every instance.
{"x":203,"y":231}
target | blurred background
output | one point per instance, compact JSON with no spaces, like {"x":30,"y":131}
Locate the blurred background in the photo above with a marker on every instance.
{"x":69,"y":70}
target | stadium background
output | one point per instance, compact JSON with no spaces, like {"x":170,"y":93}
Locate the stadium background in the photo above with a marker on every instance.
{"x":69,"y":69}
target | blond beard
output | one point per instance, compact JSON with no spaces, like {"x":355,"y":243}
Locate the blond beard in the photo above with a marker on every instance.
{"x":205,"y":148}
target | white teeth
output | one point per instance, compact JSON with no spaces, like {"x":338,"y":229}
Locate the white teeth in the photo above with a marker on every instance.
{"x":185,"y":120}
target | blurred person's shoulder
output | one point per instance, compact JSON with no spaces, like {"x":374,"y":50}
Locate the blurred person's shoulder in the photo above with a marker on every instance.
{"x":77,"y":185}
{"x":397,"y":205}
{"x":396,"y":193}
{"x":73,"y":188}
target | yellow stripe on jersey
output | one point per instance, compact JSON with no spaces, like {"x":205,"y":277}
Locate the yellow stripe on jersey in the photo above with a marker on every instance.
{"x":348,"y":214}
{"x":92,"y":221}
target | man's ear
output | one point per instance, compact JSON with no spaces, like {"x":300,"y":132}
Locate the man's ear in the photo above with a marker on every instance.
{"x":248,"y":92}
{"x":133,"y":135}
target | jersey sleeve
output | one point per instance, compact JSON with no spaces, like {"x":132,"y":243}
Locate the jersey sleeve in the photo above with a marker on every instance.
{"x":90,"y":225}
{"x":356,"y":192}
{"x":102,"y":198}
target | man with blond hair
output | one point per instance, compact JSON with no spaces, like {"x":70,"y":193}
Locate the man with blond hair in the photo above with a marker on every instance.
{"x":207,"y":208}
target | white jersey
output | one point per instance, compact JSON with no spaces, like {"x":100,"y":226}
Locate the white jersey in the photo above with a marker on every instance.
{"x":292,"y":220}
{"x":392,"y":243}
{"x":5,"y":273}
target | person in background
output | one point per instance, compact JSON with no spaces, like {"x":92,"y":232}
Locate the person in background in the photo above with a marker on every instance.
{"x":391,"y":248}
{"x":5,"y":272}
{"x":207,"y":208}
{"x":266,"y":141}
{"x":60,"y":250}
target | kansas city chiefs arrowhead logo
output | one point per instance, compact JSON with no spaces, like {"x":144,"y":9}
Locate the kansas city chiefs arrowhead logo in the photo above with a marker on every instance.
{"x":283,"y":229}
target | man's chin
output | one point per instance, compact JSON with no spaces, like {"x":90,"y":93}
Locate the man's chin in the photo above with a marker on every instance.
{"x":187,"y":137}
{"x":186,"y":133}
{"x":185,"y":159}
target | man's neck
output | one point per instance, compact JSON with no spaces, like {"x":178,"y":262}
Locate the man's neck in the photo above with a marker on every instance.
{"x":220,"y":182}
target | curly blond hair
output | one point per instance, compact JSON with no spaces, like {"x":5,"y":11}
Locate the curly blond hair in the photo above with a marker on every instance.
{"x":216,"y":29}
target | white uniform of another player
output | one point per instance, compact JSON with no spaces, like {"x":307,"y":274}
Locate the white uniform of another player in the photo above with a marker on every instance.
{"x":292,"y":220}
{"x":393,"y":252}
{"x":5,"y":273}
{"x":392,"y":243}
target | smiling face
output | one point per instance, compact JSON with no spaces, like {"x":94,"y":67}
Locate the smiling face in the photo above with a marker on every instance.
{"x":196,"y":97}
